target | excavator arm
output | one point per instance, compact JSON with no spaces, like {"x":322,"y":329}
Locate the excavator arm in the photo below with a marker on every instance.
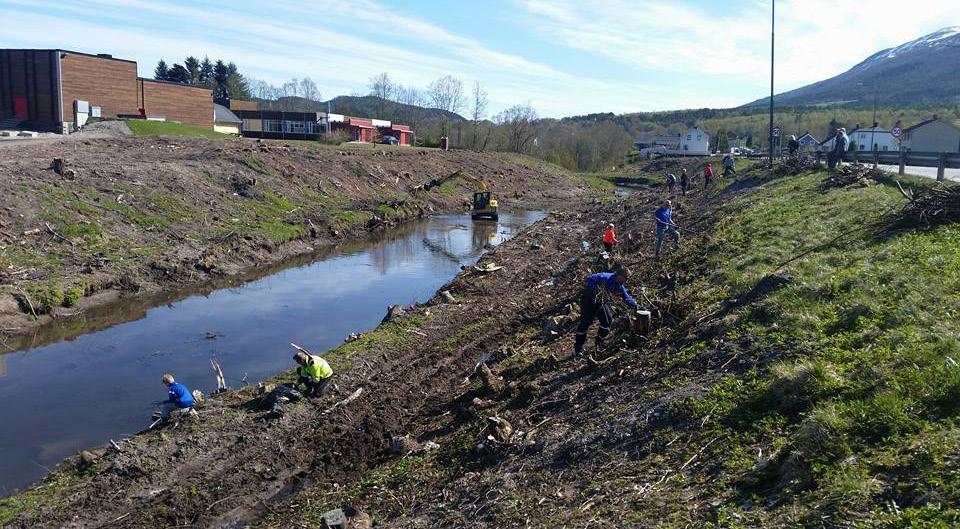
{"x":484,"y":205}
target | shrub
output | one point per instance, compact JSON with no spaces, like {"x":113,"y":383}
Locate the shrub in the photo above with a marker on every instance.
{"x":335,"y":137}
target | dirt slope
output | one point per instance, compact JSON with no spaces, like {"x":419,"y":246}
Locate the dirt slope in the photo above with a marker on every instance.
{"x":136,"y":215}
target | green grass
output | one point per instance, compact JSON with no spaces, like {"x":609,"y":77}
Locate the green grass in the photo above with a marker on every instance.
{"x":32,"y":499}
{"x":142,"y":127}
{"x":867,"y":336}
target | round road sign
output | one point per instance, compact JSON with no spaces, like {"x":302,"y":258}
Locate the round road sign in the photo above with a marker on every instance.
{"x":896,"y":132}
{"x":776,"y":131}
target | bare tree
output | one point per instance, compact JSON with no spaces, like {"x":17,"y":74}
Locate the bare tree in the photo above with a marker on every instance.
{"x":309,"y":90}
{"x":446,"y":93}
{"x":519,"y":121}
{"x":479,"y":111}
{"x":383,"y":89}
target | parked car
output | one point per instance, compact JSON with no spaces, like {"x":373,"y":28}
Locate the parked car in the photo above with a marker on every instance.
{"x":390,"y":140}
{"x":654,"y":150}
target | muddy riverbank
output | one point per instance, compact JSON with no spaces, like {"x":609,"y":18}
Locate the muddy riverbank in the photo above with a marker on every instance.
{"x":140,"y":216}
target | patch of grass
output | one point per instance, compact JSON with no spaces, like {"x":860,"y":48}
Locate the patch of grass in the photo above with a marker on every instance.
{"x":142,"y":127}
{"x":74,"y":294}
{"x":255,"y":163}
{"x":32,"y":499}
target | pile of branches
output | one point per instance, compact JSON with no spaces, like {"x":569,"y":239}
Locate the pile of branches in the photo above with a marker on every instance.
{"x":794,"y":165}
{"x":853,"y":174}
{"x":937,"y":205}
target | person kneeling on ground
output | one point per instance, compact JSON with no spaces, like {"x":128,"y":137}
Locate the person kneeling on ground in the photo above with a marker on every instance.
{"x":179,"y":401}
{"x":664,"y":216}
{"x":609,"y":238}
{"x":593,"y":305}
{"x":314,"y":373}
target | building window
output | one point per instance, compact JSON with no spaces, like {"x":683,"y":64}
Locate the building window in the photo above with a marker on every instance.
{"x":688,"y":137}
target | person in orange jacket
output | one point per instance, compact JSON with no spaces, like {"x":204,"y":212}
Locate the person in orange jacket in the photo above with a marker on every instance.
{"x":609,"y":238}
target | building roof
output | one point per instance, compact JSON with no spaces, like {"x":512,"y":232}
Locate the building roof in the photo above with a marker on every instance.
{"x":104,"y":56}
{"x":929,"y":121}
{"x":222,"y":114}
{"x":805,"y":134}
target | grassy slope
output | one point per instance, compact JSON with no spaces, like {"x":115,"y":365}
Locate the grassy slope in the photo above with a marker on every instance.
{"x":142,"y":127}
{"x":839,"y":408}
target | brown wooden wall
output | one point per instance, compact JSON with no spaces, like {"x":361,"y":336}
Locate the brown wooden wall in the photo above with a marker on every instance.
{"x":110,"y":84}
{"x":177,"y":102}
{"x":28,"y":84}
{"x":239,"y":104}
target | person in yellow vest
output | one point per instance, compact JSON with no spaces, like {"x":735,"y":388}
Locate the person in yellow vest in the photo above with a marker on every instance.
{"x":314,"y":373}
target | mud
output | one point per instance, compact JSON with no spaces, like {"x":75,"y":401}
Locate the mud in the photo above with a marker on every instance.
{"x":138,"y":216}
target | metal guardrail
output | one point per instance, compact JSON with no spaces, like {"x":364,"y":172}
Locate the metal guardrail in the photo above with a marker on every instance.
{"x":940,"y":160}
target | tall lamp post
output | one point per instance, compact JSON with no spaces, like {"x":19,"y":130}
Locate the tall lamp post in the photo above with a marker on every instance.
{"x":772,"y":18}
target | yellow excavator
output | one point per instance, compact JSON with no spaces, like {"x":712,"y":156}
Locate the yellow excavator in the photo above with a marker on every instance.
{"x":484,"y":205}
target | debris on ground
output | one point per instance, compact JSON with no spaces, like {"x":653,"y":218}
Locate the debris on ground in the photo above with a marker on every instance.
{"x":794,"y":165}
{"x":277,"y":398}
{"x":448,"y":297}
{"x":352,"y":337}
{"x":852,"y":174}
{"x":491,"y":382}
{"x":394,"y":311}
{"x":346,"y":518}
{"x":936,"y":205}
{"x":487,"y":268}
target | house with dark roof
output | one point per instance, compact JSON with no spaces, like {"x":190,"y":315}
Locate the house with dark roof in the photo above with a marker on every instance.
{"x":225,"y":121}
{"x":932,"y":135}
{"x":808,"y":143}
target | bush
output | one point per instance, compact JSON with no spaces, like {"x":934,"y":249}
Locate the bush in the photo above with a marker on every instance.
{"x":335,"y":137}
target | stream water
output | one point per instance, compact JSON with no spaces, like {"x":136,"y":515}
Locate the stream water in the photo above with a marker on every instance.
{"x":72,"y":394}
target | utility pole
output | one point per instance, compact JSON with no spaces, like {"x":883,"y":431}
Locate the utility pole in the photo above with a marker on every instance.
{"x":770,"y":131}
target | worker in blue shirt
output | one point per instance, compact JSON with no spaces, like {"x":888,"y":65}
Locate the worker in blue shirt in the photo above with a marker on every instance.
{"x":179,"y":398}
{"x":665,"y":224}
{"x":593,"y":304}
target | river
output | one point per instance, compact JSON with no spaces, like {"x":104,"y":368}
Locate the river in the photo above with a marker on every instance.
{"x":58,"y":399}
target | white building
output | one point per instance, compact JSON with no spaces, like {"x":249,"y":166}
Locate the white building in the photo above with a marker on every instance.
{"x":694,"y":142}
{"x":874,"y":139}
{"x":932,"y":135}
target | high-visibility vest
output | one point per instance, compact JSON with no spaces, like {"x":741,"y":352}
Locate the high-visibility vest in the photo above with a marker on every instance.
{"x":317,"y":368}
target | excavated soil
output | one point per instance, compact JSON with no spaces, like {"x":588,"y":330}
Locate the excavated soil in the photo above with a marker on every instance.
{"x":130,"y":216}
{"x":417,"y":375}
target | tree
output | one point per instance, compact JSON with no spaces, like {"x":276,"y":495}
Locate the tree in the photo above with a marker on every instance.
{"x":382,"y":88}
{"x":178,"y":74}
{"x":446,"y":93}
{"x":206,"y":72}
{"x":236,"y":86}
{"x":220,"y":76}
{"x":161,"y":72}
{"x":479,"y":110}
{"x":193,"y":68}
{"x":519,"y":122}
{"x":309,"y":90}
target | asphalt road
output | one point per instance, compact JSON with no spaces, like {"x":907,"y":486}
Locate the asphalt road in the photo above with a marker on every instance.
{"x":929,"y":172}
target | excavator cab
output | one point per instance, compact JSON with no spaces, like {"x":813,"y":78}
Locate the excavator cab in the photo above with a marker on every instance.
{"x":484,"y":206}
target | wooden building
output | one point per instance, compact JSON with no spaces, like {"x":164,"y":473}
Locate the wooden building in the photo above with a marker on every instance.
{"x":39,"y":90}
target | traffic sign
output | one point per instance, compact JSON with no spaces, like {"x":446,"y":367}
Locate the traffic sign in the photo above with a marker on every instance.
{"x":896,"y":132}
{"x":776,"y":132}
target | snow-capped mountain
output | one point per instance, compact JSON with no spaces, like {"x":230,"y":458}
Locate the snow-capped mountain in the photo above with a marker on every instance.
{"x":925,"y":71}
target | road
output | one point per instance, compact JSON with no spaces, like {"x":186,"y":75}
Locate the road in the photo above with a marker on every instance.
{"x":929,"y":172}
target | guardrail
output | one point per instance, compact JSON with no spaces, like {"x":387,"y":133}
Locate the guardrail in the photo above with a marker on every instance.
{"x":940,"y":160}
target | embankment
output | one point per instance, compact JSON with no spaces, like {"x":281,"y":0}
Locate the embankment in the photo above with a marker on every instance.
{"x":140,"y":215}
{"x":801,"y":373}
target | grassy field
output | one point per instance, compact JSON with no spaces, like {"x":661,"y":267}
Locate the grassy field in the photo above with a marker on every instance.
{"x":141,"y":127}
{"x":857,"y":412}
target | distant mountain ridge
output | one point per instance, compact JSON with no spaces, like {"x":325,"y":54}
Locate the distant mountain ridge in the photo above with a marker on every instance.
{"x":922,"y":72}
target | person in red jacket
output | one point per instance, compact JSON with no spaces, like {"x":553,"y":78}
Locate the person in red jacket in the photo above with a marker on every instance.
{"x":609,"y":238}
{"x":707,"y":175}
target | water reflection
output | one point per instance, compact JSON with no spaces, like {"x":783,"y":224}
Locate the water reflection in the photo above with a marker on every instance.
{"x":59,"y":398}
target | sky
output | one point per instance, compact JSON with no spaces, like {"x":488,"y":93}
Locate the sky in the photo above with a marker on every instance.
{"x":563,"y":57}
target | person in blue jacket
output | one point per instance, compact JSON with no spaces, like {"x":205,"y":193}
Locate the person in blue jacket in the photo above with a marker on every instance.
{"x":179,"y":397}
{"x":665,"y":224}
{"x":593,"y":306}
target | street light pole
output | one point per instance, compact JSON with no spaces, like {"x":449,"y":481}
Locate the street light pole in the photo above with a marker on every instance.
{"x":772,"y":19}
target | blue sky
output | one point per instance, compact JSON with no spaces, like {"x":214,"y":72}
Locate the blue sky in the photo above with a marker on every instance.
{"x":565,"y":57}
